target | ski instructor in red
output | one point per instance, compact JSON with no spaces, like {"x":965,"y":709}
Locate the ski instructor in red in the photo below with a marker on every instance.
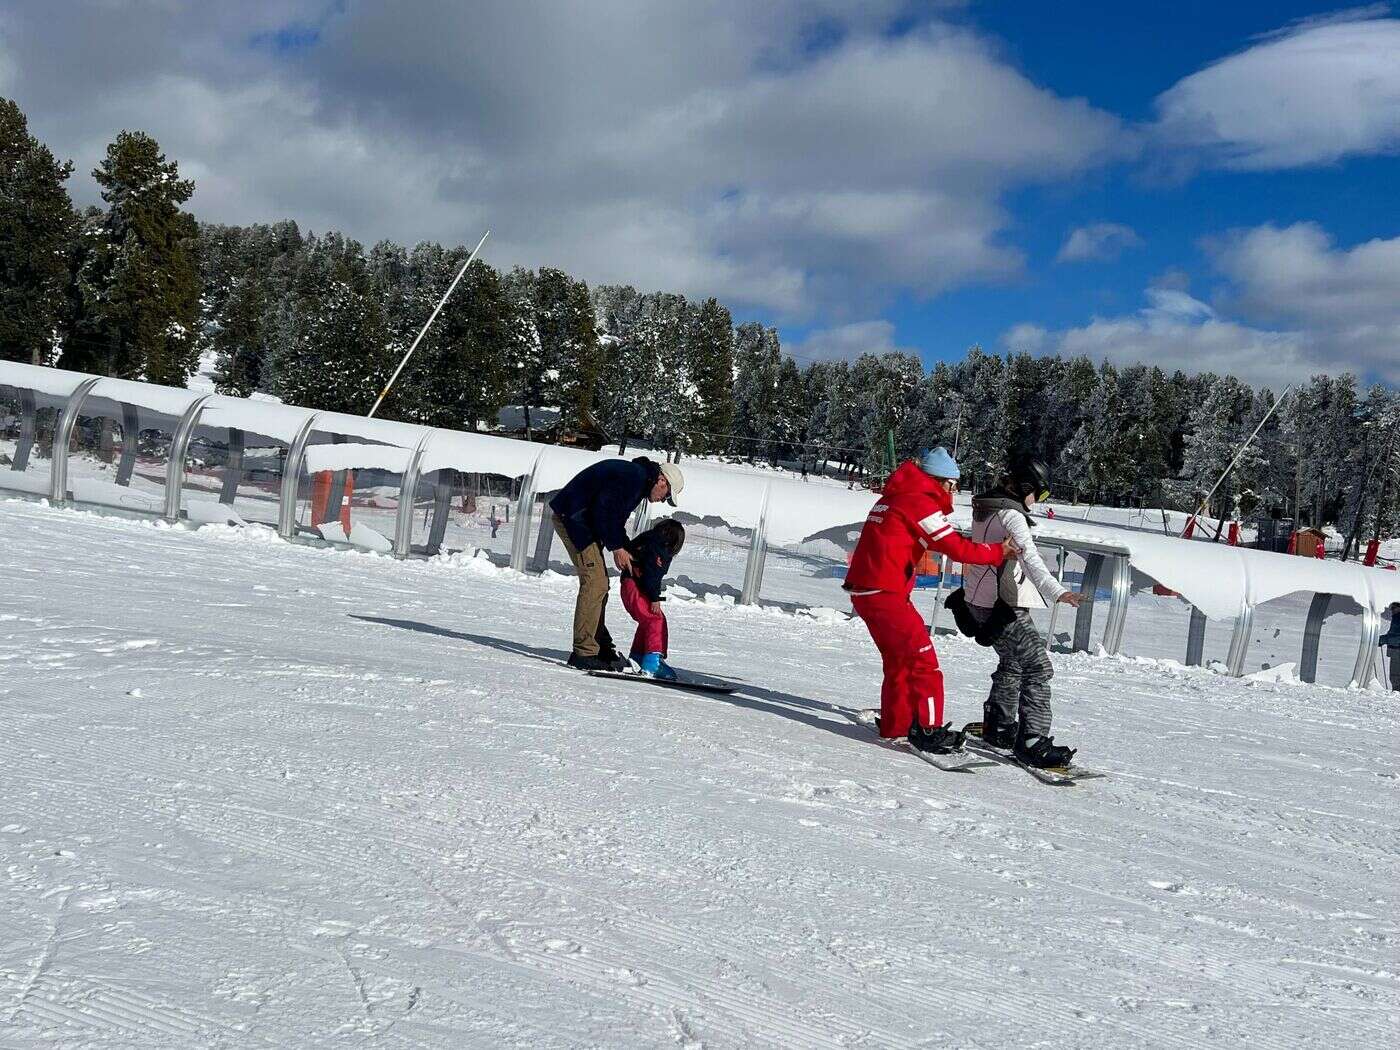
{"x":910,"y":518}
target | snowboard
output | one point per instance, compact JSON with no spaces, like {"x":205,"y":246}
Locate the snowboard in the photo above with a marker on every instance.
{"x":687,"y":685}
{"x":1055,"y":776}
{"x":953,"y":762}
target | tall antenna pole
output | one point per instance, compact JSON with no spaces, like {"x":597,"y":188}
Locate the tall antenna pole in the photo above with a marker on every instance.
{"x":1248,"y":441}
{"x":433,"y":317}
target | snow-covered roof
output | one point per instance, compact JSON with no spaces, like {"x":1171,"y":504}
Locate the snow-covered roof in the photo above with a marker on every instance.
{"x":52,"y":381}
{"x":167,"y":400}
{"x":256,"y":417}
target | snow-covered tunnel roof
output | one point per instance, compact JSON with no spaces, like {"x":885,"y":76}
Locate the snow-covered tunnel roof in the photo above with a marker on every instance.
{"x":1218,"y":579}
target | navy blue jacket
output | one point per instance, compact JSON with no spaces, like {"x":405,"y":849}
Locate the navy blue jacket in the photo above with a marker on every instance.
{"x":1391,"y":638}
{"x":651,"y":558}
{"x":594,"y":506}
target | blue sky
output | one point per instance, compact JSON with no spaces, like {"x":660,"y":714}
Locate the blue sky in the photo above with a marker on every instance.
{"x":1200,"y":186}
{"x":1121,"y":57}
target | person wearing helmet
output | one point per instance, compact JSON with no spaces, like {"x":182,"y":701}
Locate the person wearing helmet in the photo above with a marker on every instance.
{"x":1016,"y":715}
{"x":910,"y":518}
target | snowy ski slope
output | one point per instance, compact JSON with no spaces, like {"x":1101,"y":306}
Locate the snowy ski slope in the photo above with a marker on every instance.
{"x":262,"y":795}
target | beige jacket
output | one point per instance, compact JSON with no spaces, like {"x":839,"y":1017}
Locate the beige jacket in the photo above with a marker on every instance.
{"x":1025,"y":582}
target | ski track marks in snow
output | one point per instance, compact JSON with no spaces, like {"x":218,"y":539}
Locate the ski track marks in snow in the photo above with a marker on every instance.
{"x":253,"y":794}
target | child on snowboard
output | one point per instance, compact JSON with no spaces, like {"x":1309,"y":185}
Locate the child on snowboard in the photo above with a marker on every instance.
{"x":910,"y":518}
{"x":652,"y":552}
{"x":1016,"y":715}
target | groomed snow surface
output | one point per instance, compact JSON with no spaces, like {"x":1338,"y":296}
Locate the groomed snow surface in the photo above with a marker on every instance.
{"x":262,"y":795}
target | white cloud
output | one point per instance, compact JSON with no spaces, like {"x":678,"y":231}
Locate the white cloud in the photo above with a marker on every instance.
{"x":1025,"y":338}
{"x":847,"y":342}
{"x":1175,"y":331}
{"x":1098,"y":241}
{"x":1347,"y":300}
{"x":1315,"y":93}
{"x":1294,"y":304}
{"x":704,"y":148}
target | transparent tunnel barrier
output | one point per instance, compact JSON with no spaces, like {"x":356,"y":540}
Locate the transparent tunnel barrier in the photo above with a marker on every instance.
{"x":29,"y":421}
{"x":752,"y":536}
{"x":119,"y":453}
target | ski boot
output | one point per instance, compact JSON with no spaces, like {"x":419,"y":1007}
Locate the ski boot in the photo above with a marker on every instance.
{"x":1042,"y":752}
{"x":996,"y":733}
{"x":652,"y":664}
{"x":938,"y":740}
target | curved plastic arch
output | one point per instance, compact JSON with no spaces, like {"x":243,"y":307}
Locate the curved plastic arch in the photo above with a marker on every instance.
{"x":524,"y":514}
{"x":403,"y":522}
{"x":179,"y":446}
{"x":758,"y":553}
{"x":62,"y":438}
{"x":291,"y":476}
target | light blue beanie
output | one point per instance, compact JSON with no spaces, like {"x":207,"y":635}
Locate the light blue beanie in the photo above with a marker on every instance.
{"x":937,"y":463}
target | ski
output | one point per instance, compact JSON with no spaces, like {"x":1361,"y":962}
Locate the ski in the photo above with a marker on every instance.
{"x":679,"y":683}
{"x":953,"y":762}
{"x":1055,"y":776}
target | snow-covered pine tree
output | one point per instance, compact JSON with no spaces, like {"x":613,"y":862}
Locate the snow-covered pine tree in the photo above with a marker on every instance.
{"x":1072,"y":384}
{"x":138,"y":287}
{"x":985,"y":428}
{"x":527,"y":383}
{"x":239,"y":338}
{"x":247,"y":274}
{"x":1024,"y":402}
{"x":462,"y":373}
{"x":1387,"y":517}
{"x":1146,"y":437}
{"x":1097,"y":463}
{"x":833,"y":418}
{"x":1322,"y":421}
{"x":645,"y":388}
{"x":330,"y":348}
{"x":757,"y":363}
{"x":1217,"y":429}
{"x":884,"y":390}
{"x":37,"y":226}
{"x":934,"y":411}
{"x":710,"y":347}
{"x":789,"y":413}
{"x":564,"y":370}
{"x":1376,"y":433}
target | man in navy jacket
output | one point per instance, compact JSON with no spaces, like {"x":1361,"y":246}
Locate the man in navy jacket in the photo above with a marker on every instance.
{"x":590,"y":514}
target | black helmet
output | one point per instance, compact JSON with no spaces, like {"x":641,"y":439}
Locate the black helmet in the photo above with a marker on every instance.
{"x":1028,"y":476}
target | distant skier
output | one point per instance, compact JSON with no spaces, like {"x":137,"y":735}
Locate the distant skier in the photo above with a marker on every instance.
{"x":1391,"y":641}
{"x":652,"y":553}
{"x":1017,"y":713}
{"x":590,"y":514}
{"x":910,"y":518}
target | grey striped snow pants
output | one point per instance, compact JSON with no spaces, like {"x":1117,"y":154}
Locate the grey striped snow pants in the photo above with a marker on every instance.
{"x":1021,"y":682}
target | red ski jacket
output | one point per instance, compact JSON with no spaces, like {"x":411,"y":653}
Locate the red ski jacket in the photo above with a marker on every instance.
{"x":910,"y":518}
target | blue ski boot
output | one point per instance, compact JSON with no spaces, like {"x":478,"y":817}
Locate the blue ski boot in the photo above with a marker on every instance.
{"x":652,"y":664}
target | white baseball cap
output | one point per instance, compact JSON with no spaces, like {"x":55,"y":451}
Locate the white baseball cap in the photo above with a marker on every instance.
{"x":672,"y":473}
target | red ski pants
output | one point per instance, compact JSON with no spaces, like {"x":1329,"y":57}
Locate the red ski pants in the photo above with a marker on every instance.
{"x":651,"y":626}
{"x":913,"y":681}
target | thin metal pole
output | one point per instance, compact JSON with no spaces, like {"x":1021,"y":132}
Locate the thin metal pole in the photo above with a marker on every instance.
{"x":1248,"y":441}
{"x":433,"y":317}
